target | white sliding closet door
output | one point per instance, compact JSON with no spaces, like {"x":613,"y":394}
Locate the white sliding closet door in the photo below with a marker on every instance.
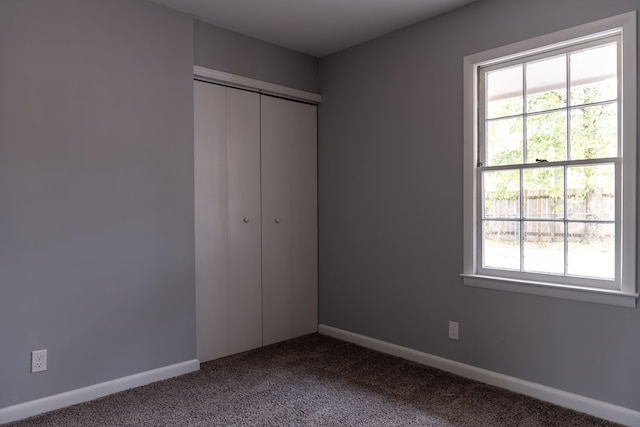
{"x":227,"y":220}
{"x":289,"y":219}
{"x":255,"y":220}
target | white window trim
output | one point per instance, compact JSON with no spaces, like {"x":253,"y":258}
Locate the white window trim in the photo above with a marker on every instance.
{"x":625,"y":297}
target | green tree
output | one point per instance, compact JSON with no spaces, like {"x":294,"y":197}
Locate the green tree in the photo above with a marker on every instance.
{"x":588,"y":132}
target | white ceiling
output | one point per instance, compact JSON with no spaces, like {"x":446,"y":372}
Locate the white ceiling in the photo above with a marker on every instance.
{"x":315,"y":27}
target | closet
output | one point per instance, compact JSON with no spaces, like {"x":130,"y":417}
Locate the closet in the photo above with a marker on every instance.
{"x":255,"y":219}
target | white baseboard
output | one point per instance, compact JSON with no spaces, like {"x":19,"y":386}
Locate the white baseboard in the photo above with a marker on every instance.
{"x":57,"y":401}
{"x":573,"y":401}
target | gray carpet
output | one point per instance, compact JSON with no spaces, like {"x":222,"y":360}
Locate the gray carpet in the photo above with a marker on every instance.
{"x":314,"y":381}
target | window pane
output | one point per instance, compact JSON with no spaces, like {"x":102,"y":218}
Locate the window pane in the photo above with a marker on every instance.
{"x":504,"y":142}
{"x":501,"y":245}
{"x":594,"y":75}
{"x":547,"y":84}
{"x":547,"y":137}
{"x":544,"y":247}
{"x":543,"y":193}
{"x":594,"y":132}
{"x":591,"y":250}
{"x":504,"y":92}
{"x":591,"y":192}
{"x":501,"y":194}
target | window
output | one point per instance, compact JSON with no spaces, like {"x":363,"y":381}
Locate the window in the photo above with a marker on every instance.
{"x":550,"y":165}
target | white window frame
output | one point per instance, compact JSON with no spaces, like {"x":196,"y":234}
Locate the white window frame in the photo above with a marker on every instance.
{"x":625,"y":294}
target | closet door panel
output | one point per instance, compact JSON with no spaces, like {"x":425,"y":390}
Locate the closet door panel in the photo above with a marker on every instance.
{"x":289,"y":248}
{"x":243,"y":174}
{"x":211,"y":217}
{"x":304,"y":220}
{"x":276,"y":221}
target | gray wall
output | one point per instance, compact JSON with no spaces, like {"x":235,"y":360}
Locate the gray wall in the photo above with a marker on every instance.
{"x":391,"y":142}
{"x":96,"y":191}
{"x":224,"y":50}
{"x":96,"y":183}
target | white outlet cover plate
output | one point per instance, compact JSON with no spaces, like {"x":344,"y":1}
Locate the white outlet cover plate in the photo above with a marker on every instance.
{"x":453,"y":330}
{"x":39,"y":360}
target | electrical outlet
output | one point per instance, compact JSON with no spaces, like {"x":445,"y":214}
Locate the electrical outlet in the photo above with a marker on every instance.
{"x":38,"y":360}
{"x":453,"y":330}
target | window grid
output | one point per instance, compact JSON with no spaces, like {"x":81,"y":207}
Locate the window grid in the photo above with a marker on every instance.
{"x":526,"y":164}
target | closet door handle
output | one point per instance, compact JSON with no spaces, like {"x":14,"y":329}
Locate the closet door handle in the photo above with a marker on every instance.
{"x":245,"y":220}
{"x":277,"y":220}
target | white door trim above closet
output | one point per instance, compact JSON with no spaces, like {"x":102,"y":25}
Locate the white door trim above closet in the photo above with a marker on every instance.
{"x":214,"y":76}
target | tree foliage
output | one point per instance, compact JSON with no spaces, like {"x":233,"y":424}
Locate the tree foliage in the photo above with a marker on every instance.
{"x":553,"y":133}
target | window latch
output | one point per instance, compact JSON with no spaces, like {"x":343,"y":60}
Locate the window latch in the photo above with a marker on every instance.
{"x":541,"y":160}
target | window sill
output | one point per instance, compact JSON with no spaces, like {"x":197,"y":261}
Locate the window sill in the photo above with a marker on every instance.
{"x":576,"y":293}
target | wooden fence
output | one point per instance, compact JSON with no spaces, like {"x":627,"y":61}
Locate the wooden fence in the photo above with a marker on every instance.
{"x":539,"y":208}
